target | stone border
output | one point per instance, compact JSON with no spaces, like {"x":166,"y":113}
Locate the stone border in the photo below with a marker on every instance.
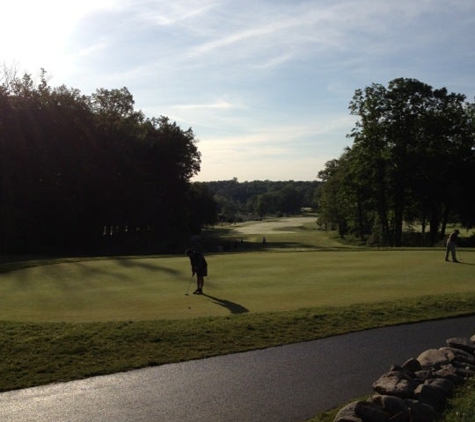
{"x":418,"y":390}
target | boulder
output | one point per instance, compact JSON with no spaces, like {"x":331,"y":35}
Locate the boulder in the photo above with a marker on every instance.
{"x":396,"y":383}
{"x":412,"y":365}
{"x":347,"y":414}
{"x":416,"y":391}
{"x":465,"y":344}
{"x":371,"y":412}
{"x":432,"y":358}
{"x":421,"y":412}
{"x":442,"y":384}
{"x":391,"y":404}
{"x":424,"y":374}
{"x":405,"y":371}
{"x":401,"y":417}
{"x":432,"y":396}
{"x":458,"y":355}
{"x":448,"y":372}
{"x":464,"y":369}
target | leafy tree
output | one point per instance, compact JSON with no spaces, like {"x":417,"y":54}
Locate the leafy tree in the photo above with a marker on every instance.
{"x":81,"y":173}
{"x":409,"y":145}
{"x":332,"y":206}
{"x":262,"y":197}
{"x":203,"y":207}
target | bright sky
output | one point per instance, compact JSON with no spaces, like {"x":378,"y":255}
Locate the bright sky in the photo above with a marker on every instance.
{"x":264,"y":84}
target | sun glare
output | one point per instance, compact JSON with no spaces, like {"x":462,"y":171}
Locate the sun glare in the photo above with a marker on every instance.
{"x":34,"y":33}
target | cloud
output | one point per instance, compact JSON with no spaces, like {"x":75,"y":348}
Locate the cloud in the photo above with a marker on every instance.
{"x":166,"y":13}
{"x":281,"y":140}
{"x":220,"y":105}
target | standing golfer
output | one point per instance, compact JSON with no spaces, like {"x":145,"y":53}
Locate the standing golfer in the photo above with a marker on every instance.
{"x":199,"y":266}
{"x":452,"y":245}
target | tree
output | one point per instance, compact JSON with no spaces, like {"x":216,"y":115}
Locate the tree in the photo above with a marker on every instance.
{"x":411,"y":159}
{"x":81,"y":173}
{"x":412,"y":136}
{"x":203,"y":209}
{"x":262,"y":196}
{"x":332,"y":205}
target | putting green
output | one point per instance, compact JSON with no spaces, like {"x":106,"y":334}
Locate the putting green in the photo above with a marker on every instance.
{"x":154,"y":288}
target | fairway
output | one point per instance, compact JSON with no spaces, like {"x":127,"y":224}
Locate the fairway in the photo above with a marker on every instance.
{"x":276,"y":279}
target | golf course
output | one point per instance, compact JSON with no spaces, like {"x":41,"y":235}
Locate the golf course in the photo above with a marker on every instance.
{"x":300,"y":267}
{"x":70,"y":318}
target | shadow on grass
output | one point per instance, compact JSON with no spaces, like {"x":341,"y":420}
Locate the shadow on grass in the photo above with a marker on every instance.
{"x":140,"y":263}
{"x":465,"y":263}
{"x":234,"y":308}
{"x":299,"y":245}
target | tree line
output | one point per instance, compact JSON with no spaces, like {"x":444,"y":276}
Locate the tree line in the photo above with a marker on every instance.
{"x":258,"y":198}
{"x":85,"y":174}
{"x":412,"y":161}
{"x":90,"y":174}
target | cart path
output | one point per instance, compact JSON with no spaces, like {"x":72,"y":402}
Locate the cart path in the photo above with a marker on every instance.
{"x":286,"y":383}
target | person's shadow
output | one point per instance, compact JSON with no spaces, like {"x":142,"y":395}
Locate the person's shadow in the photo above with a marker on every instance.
{"x":234,"y":308}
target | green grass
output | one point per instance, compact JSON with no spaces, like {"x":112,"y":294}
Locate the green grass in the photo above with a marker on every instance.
{"x":460,"y":407}
{"x":123,"y":289}
{"x":66,"y":319}
{"x":40,"y":353}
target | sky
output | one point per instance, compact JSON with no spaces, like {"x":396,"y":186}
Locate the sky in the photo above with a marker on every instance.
{"x":264,"y":84}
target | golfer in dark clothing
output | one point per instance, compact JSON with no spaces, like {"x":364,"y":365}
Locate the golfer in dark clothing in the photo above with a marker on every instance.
{"x":199,"y":266}
{"x":452,"y":245}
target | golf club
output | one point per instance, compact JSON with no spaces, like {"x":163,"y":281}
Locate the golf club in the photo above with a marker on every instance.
{"x":189,"y":284}
{"x":459,"y":254}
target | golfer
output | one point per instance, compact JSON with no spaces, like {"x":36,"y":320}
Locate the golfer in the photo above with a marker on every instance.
{"x":199,"y":266}
{"x":452,"y":245}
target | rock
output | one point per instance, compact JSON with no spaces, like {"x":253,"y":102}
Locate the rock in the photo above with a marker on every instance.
{"x":347,"y":414}
{"x":406,"y":372}
{"x":432,"y":358}
{"x":412,"y":365}
{"x":441,"y":383}
{"x":392,"y":404}
{"x":421,"y":412}
{"x":371,"y":412}
{"x":467,"y":345}
{"x":401,"y":417}
{"x":464,"y":369}
{"x":424,"y":374}
{"x":448,"y":372}
{"x":416,"y":391}
{"x":458,"y":355}
{"x":432,"y":396}
{"x":396,"y":383}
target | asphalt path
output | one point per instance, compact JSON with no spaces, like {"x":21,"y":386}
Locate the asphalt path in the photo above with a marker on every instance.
{"x":287,"y":383}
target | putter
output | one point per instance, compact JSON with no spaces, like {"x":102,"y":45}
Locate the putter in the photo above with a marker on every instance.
{"x":189,"y":284}
{"x":459,"y":254}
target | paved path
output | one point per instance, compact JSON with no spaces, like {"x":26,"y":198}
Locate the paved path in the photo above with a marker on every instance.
{"x":288,"y":383}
